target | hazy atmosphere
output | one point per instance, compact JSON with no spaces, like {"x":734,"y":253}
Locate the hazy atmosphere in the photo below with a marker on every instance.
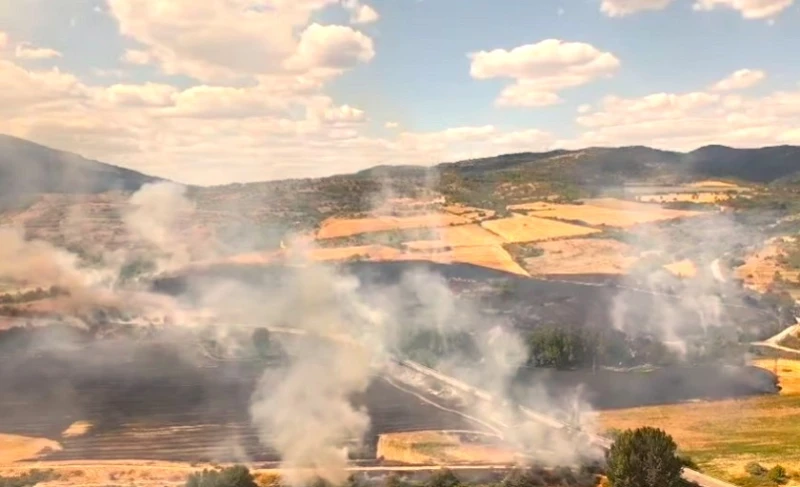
{"x":399,"y":243}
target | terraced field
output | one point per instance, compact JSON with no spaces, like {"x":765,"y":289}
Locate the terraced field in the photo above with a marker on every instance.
{"x":150,"y":404}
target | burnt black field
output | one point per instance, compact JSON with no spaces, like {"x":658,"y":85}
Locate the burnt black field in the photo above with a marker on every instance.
{"x":582,"y":301}
{"x":155,"y":398}
{"x":148,"y":401}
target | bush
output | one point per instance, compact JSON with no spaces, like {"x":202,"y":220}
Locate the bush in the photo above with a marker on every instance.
{"x":755,"y":469}
{"x":236,"y":476}
{"x":28,"y":479}
{"x":778,"y":474}
{"x":443,"y":478}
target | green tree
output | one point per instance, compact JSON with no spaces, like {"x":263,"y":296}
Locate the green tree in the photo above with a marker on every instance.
{"x":645,"y":457}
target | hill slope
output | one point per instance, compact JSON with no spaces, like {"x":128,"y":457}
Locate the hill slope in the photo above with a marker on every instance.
{"x":26,"y":168}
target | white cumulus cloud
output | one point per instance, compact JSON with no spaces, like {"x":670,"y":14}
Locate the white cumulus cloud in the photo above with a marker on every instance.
{"x":26,"y":50}
{"x":542,"y":70}
{"x":749,"y":9}
{"x":740,"y":80}
{"x":621,"y":8}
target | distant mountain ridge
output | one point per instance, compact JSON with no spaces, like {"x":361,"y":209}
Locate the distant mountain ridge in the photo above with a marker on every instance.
{"x":612,"y":165}
{"x":28,"y":168}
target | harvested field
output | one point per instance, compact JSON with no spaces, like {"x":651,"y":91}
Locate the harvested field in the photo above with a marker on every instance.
{"x":14,"y":448}
{"x":470,"y":212}
{"x":532,"y":229}
{"x":488,"y":256}
{"x":618,"y":204}
{"x":714,"y":184}
{"x":582,"y":256}
{"x":692,"y":197}
{"x":534,"y":206}
{"x":459,"y":236}
{"x":724,"y":436}
{"x":151,"y":404}
{"x":337,"y":227}
{"x":443,"y":448}
{"x":683,"y":268}
{"x":597,"y":215}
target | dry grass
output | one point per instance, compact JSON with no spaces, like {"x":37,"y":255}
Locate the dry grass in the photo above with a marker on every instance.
{"x":682,"y":268}
{"x":613,"y":217}
{"x":339,"y":227}
{"x":14,"y":448}
{"x":788,"y":372}
{"x":758,"y":271}
{"x":617,"y":204}
{"x":534,"y":206}
{"x":694,"y":197}
{"x":440,"y":448}
{"x":78,"y":428}
{"x":710,"y":183}
{"x":723,"y":436}
{"x":459,"y":236}
{"x":582,"y":256}
{"x":470,"y":212}
{"x":489,"y":256}
{"x":532,"y":229}
{"x":104,"y":473}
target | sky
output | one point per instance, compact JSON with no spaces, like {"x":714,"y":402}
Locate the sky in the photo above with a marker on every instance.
{"x":219,"y":91}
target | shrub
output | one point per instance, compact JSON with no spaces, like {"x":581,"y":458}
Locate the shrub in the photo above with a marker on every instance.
{"x":443,"y":478}
{"x":778,"y":474}
{"x":28,"y":479}
{"x":755,"y":469}
{"x":235,"y":476}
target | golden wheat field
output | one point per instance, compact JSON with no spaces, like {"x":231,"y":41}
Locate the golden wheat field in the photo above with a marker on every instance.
{"x":458,"y":236}
{"x":597,"y":215}
{"x":532,"y":229}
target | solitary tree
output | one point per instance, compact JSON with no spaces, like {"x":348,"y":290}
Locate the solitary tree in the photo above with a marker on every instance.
{"x":645,"y":457}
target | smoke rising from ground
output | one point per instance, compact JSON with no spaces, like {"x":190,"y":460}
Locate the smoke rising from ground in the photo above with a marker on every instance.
{"x":683,"y":311}
{"x":305,"y":410}
{"x":155,"y":213}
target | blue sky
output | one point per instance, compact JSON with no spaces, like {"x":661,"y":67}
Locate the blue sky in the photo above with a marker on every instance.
{"x":242,"y":90}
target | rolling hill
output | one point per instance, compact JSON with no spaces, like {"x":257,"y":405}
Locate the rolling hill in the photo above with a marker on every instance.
{"x":30,"y":168}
